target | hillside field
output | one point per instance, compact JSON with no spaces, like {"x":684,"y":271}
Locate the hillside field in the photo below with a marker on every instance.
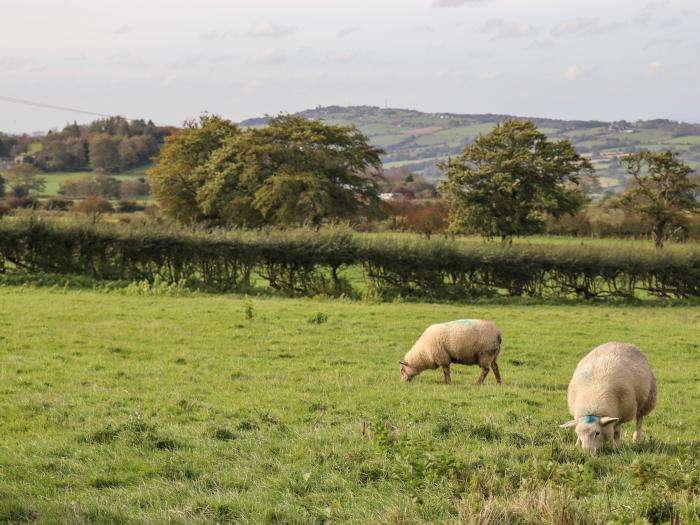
{"x":417,"y":141}
{"x":124,"y":408}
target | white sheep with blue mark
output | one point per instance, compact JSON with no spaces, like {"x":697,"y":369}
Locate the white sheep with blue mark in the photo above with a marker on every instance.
{"x":466,"y":342}
{"x":611,"y":385}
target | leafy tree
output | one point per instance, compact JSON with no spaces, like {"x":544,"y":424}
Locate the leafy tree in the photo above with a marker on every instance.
{"x":506,"y":181}
{"x":2,"y":186}
{"x":99,"y":184}
{"x":93,"y":207}
{"x":104,"y":152}
{"x":175,"y":180}
{"x":128,"y":156}
{"x":661,"y":190}
{"x":24,"y":180}
{"x":292,"y":171}
{"x":131,"y":189}
{"x":425,"y":217}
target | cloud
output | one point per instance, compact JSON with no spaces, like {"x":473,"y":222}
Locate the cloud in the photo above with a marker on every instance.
{"x":570,"y":27}
{"x":341,"y":57}
{"x":650,"y":6}
{"x":126,"y":60}
{"x":542,"y":44}
{"x":670,"y":22}
{"x":500,"y":29}
{"x":643,"y":19}
{"x":573,"y":73}
{"x":268,"y":30}
{"x":456,"y":3}
{"x":212,"y":35}
{"x":347,"y":31}
{"x":663,"y":42}
{"x":16,"y":63}
{"x":654,"y":67}
{"x":267,"y":56}
{"x":585,"y":26}
{"x":123,"y":30}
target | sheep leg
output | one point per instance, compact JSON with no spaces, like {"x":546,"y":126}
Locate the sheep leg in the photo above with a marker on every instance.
{"x":578,"y":441}
{"x":484,"y":371}
{"x":638,"y":431}
{"x":446,"y":370}
{"x":496,"y":372}
{"x":616,"y":437}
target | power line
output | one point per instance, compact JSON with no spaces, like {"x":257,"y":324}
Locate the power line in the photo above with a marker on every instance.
{"x":53,"y":106}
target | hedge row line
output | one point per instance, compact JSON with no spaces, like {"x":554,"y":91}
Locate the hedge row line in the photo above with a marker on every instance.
{"x":310,"y":262}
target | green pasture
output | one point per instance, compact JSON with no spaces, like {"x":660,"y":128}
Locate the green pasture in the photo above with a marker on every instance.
{"x":135,"y":407}
{"x":55,"y":179}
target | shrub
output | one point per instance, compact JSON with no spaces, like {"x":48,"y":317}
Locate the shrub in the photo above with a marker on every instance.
{"x":310,"y":262}
{"x":93,"y":207}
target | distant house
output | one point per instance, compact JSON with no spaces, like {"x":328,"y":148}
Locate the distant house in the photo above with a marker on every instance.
{"x":392,"y":196}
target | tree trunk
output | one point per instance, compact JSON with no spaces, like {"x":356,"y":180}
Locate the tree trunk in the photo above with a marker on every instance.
{"x":657,"y":233}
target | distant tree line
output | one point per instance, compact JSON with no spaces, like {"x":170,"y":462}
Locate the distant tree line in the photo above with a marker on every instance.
{"x":111,"y":144}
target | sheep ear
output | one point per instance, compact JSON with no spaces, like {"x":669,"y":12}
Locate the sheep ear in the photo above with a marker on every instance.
{"x":568,"y":424}
{"x":605,"y":420}
{"x":403,"y":363}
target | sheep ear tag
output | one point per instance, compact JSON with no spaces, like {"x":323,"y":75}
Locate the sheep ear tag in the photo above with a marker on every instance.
{"x":605,"y":420}
{"x":569,"y":423}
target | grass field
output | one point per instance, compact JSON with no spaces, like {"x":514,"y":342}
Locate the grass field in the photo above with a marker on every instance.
{"x":55,"y":179}
{"x":119,"y":408}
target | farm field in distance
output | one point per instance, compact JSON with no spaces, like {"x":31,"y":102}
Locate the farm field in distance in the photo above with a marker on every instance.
{"x":418,"y":140}
{"x":119,"y":408}
{"x":55,"y":179}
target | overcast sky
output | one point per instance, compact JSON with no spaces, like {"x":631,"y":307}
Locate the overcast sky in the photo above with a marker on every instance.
{"x":169,"y":60}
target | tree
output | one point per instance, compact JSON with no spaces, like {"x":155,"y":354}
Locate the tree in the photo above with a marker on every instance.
{"x":98,"y":184}
{"x":424,"y":217}
{"x":174,"y":179}
{"x":131,"y":189}
{"x":93,"y":207}
{"x":24,"y":180}
{"x":128,"y":156}
{"x":661,"y":190}
{"x":2,"y":186}
{"x":291,"y":171}
{"x":506,"y":181}
{"x":104,"y":152}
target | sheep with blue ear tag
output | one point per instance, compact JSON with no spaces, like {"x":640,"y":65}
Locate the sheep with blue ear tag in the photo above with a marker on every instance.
{"x":611,"y":385}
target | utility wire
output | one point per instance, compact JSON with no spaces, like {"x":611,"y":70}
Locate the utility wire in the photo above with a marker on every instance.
{"x":14,"y":100}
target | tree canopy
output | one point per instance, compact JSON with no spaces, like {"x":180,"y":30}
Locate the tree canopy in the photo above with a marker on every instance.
{"x":661,"y":190}
{"x":24,"y":180}
{"x":291,"y":171}
{"x":508,"y":180}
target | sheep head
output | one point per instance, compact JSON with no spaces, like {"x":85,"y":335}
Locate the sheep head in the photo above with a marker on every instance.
{"x":592,"y":432}
{"x":407,"y":371}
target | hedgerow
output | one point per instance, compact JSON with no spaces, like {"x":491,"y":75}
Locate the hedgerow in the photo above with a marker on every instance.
{"x":311,"y":262}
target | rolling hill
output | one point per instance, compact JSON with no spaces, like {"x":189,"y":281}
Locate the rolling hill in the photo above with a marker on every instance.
{"x":417,"y":140}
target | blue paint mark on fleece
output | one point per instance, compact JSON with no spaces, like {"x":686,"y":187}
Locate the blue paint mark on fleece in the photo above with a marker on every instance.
{"x":586,"y":375}
{"x":589,"y":419}
{"x":462,"y":321}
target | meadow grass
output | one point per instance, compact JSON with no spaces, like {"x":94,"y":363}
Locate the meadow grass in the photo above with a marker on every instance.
{"x":124,"y":408}
{"x":55,"y":179}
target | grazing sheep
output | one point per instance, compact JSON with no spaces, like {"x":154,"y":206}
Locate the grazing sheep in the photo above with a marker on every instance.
{"x":613,"y":384}
{"x":467,"y":342}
